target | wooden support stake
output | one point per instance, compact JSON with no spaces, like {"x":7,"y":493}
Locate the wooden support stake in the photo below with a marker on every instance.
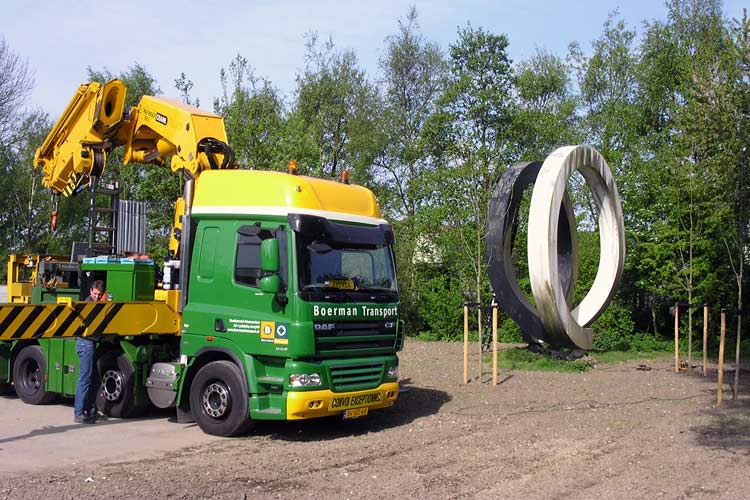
{"x":494,"y":344}
{"x":720,"y":389}
{"x":705,"y":340}
{"x":479,"y":334}
{"x":466,"y":344}
{"x":676,"y":338}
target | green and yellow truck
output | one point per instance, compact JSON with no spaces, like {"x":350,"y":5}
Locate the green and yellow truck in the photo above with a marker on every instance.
{"x":279,"y":301}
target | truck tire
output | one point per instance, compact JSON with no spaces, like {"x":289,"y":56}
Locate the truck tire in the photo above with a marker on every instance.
{"x":29,"y":374}
{"x":116,"y":394}
{"x":218,"y":401}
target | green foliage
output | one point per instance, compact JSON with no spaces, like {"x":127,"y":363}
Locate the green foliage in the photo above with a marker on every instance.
{"x":545,"y":116}
{"x":509,"y":332}
{"x":335,"y":108}
{"x":467,"y":138}
{"x":440,"y":302}
{"x":253,"y":116}
{"x":612,"y":328}
{"x":645,"y":343}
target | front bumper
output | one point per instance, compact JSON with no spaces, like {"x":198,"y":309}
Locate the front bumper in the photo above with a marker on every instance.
{"x":323,"y":403}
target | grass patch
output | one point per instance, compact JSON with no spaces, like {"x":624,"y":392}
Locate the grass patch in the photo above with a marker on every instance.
{"x":522,"y":359}
{"x":612,"y":357}
{"x":525,"y":360}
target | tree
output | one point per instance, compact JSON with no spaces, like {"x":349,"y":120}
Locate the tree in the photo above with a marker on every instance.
{"x":336,"y":108}
{"x":184,"y":85}
{"x":739,"y":192}
{"x":413,"y":71}
{"x":16,"y":83}
{"x":545,"y":116}
{"x":24,"y":217}
{"x":469,"y":139}
{"x":253,"y":115}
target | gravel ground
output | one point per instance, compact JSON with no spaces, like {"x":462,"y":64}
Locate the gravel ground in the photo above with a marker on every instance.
{"x":614,"y":432}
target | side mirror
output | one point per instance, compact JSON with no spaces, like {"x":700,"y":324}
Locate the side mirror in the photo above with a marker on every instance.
{"x":270,"y":284}
{"x":269,"y":255}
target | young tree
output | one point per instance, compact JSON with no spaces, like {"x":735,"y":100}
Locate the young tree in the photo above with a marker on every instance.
{"x":469,"y":138}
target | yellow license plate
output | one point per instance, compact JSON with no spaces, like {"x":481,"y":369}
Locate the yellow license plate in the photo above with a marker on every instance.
{"x":342,"y":284}
{"x":355,"y":412}
{"x":355,"y":401}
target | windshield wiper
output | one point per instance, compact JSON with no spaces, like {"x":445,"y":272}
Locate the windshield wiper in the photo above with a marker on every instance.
{"x":319,"y":288}
{"x":375,"y":289}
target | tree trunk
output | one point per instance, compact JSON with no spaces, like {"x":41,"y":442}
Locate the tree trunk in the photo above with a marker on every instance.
{"x":653,"y":320}
{"x":735,"y":387}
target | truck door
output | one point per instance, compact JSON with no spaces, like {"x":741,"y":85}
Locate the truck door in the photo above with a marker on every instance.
{"x":225,"y":300}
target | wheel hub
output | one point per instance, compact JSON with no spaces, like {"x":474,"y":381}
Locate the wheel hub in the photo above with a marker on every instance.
{"x":215,"y":400}
{"x":112,"y":384}
{"x":32,"y":379}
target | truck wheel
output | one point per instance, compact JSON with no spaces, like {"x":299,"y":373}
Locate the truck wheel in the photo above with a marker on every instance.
{"x":29,"y":373}
{"x":218,"y":401}
{"x":116,"y":394}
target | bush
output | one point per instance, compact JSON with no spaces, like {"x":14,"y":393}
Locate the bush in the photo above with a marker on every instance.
{"x":439,"y":306}
{"x":509,"y":332}
{"x":610,"y":340}
{"x":643,"y":342}
{"x":613,"y":329}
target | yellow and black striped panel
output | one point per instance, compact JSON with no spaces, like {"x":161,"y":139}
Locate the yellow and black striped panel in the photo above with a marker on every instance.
{"x":82,"y":319}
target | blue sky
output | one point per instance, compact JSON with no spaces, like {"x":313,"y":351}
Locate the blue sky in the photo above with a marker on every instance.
{"x":59,"y":39}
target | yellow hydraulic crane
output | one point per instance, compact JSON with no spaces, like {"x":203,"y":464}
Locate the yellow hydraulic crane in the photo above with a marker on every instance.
{"x":95,"y":122}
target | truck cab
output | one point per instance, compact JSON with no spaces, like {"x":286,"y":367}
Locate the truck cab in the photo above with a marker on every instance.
{"x":292,"y":280}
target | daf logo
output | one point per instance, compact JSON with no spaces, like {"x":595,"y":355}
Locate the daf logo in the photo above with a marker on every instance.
{"x":389,"y":325}
{"x":324,"y":327}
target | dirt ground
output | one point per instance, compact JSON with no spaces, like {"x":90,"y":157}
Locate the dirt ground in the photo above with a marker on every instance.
{"x":614,"y":432}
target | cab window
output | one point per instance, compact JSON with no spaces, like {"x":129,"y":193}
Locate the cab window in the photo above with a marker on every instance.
{"x":247,"y":266}
{"x":247,"y":269}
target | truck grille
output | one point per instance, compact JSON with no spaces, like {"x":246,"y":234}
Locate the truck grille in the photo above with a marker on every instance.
{"x":336,"y":339}
{"x":356,"y":377}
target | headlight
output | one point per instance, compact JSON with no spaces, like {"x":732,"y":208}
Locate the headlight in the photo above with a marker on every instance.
{"x":304,"y":379}
{"x":393,"y":372}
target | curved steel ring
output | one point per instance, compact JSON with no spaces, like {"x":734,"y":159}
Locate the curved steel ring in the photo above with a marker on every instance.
{"x":502,"y":226}
{"x":544,"y":267}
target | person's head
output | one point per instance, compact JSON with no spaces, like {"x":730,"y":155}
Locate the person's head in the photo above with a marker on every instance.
{"x":97,"y":289}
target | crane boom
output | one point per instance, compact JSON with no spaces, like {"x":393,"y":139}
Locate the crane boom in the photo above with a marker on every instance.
{"x":94,"y":123}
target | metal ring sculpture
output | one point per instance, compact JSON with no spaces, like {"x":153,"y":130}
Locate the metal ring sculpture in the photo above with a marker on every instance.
{"x":552,"y":246}
{"x":502,"y":226}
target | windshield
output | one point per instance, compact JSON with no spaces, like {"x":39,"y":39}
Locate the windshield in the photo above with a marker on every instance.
{"x":342,"y":269}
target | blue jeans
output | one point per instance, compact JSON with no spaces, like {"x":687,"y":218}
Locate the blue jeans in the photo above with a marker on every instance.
{"x":86,"y":389}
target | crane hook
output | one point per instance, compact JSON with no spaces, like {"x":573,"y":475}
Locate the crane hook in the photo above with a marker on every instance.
{"x":54,"y":214}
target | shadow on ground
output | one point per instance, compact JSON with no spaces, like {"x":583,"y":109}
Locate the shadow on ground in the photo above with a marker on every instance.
{"x":413,"y":403}
{"x":729,"y":427}
{"x":68,"y":425}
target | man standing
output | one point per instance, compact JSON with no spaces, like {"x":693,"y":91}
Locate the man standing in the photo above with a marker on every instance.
{"x":84,"y":409}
